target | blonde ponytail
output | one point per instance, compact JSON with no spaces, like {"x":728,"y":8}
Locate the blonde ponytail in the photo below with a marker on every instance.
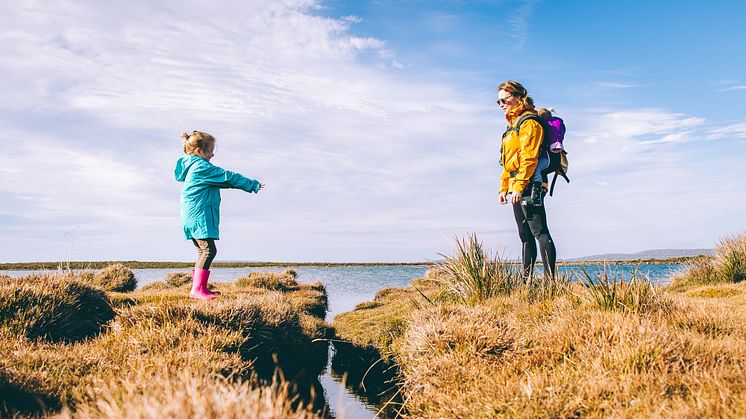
{"x":197,"y":141}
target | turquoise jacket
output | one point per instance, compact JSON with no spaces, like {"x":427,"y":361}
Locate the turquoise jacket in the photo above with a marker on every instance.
{"x":200,"y":196}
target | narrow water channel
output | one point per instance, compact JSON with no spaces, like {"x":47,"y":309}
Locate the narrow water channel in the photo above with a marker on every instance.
{"x":347,"y":287}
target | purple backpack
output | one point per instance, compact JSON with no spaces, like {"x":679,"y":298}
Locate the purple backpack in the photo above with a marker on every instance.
{"x":552,"y":145}
{"x":556,"y":133}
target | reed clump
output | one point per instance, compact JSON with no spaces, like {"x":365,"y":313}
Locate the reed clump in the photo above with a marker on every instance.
{"x":473,"y":276}
{"x":242,"y":337}
{"x":728,"y":265}
{"x":636,"y":294}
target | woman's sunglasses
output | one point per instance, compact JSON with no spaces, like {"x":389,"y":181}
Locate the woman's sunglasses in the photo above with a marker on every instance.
{"x":503,"y":100}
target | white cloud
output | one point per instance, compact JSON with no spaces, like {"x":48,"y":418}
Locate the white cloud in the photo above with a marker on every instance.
{"x":732,"y":131}
{"x":104,"y":92}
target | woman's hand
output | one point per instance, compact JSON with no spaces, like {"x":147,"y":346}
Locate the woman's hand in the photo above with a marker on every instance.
{"x":516,"y":198}
{"x":502,"y":197}
{"x":261,"y":186}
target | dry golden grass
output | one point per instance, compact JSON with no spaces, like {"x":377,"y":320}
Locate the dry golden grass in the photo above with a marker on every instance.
{"x":188,"y":394}
{"x":566,"y":356}
{"x":54,"y":308}
{"x":241,"y":335}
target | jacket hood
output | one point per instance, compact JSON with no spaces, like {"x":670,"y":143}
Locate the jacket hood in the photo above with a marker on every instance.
{"x":515,"y":113}
{"x":183,"y":165}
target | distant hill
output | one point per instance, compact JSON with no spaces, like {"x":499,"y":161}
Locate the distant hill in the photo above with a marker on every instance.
{"x":646,"y":254}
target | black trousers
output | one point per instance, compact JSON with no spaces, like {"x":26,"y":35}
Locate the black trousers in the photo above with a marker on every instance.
{"x":532,"y":228}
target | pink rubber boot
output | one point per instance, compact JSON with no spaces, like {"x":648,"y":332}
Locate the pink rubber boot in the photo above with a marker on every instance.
{"x":199,"y":285}
{"x":206,"y":287}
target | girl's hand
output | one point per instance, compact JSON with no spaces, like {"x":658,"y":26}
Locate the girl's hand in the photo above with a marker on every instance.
{"x":516,"y":198}
{"x":503,"y":198}
{"x":261,"y":186}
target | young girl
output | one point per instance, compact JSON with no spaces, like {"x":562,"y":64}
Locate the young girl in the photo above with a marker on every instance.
{"x":200,"y":203}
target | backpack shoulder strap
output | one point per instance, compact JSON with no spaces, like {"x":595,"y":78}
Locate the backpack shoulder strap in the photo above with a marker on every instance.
{"x":526,"y":117}
{"x":522,"y":119}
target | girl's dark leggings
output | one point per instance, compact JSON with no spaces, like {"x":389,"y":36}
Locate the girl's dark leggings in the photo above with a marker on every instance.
{"x":532,"y":227}
{"x":206,"y":252}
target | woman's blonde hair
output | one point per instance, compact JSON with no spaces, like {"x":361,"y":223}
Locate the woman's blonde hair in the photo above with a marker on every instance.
{"x":197,"y":140}
{"x":516,"y":89}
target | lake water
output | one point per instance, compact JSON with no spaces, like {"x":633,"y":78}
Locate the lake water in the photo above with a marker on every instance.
{"x":349,"y":285}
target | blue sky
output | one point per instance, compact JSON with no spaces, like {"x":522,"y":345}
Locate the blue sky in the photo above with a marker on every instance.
{"x":373,"y":124}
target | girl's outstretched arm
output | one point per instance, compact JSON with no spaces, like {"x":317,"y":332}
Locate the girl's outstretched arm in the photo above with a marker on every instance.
{"x":214,"y":175}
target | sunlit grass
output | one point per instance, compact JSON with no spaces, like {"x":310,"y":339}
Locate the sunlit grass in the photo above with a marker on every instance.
{"x":601,"y":345}
{"x":157,"y":350}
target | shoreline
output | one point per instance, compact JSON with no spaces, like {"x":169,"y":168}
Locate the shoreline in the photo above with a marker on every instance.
{"x":133,"y":264}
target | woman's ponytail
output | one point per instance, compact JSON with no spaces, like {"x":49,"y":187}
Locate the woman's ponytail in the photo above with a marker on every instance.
{"x":516,"y":89}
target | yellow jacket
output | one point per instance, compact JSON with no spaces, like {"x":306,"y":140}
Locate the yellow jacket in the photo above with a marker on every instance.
{"x":520,"y":152}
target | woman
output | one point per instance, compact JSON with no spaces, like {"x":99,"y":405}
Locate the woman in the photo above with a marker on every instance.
{"x":520,"y":158}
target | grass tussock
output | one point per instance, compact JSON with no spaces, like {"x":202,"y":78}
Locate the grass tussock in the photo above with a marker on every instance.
{"x":599,"y":346}
{"x":270,"y":280}
{"x":728,"y":265}
{"x":178,"y":279}
{"x":116,"y":278}
{"x":53,"y":308}
{"x":242,"y":336}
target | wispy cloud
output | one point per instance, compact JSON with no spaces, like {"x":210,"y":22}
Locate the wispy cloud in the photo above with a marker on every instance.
{"x":732,"y":88}
{"x":728,"y":85}
{"x":519,"y":23}
{"x":611,"y":85}
{"x":732,"y":131}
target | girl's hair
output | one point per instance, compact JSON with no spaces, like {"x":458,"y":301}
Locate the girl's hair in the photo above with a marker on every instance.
{"x":545,"y":112}
{"x":197,"y":140}
{"x":517,"y":90}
